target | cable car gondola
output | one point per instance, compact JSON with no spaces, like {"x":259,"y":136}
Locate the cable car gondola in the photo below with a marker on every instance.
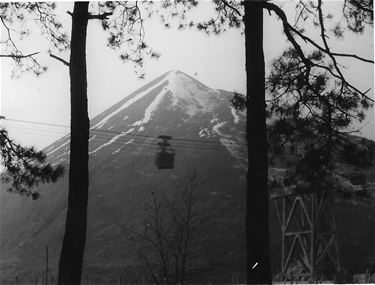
{"x":165,"y":158}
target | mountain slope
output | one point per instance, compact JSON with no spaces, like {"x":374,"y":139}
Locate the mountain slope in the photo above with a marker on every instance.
{"x":207,"y":139}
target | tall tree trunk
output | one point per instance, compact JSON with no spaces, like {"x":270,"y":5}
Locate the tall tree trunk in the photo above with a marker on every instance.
{"x":258,"y":260}
{"x":71,"y":258}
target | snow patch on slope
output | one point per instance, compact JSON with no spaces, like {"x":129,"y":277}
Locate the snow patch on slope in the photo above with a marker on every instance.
{"x":56,"y":149}
{"x":236,"y":150}
{"x":63,"y":154}
{"x":235,"y":115}
{"x":151,"y":109}
{"x":115,"y":138}
{"x":205,"y":133}
{"x":119,"y":149}
{"x":216,"y":129}
{"x":214,"y":119}
{"x":127,"y":104}
{"x":49,"y":148}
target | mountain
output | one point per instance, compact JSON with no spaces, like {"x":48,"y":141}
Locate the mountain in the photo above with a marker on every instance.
{"x":173,"y":104}
{"x":207,"y":140}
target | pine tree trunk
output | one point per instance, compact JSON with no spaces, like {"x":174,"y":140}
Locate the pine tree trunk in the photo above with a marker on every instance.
{"x":258,"y":260}
{"x":71,"y":258}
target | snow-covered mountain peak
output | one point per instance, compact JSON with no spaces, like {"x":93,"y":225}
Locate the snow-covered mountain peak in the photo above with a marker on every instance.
{"x":185,"y":94}
{"x":188,"y":94}
{"x":178,"y":79}
{"x":174,"y":93}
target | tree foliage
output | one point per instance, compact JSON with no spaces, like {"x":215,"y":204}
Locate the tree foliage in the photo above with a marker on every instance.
{"x":122,"y":21}
{"x":358,"y":14}
{"x":14,"y":16}
{"x":311,"y":104}
{"x":318,"y":113}
{"x":24,"y":167}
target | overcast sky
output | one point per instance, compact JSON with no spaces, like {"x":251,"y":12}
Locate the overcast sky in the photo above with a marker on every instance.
{"x":217,"y":61}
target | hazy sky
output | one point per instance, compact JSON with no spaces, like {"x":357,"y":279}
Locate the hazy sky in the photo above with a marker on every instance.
{"x":217,"y":61}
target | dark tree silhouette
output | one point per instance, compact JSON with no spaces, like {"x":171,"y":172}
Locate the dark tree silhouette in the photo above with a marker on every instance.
{"x":257,"y":231}
{"x":71,"y":259}
{"x":25,"y":167}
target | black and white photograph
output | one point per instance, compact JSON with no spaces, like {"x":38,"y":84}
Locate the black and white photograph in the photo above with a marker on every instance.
{"x":187,"y":142}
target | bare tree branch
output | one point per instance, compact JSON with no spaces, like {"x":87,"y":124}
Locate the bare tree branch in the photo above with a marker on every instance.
{"x":326,"y":50}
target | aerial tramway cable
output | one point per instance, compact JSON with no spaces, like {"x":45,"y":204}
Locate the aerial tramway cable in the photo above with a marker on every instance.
{"x":130,"y":134}
{"x":180,"y":144}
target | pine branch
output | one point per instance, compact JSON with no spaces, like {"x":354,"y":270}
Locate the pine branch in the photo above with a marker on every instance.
{"x":59,"y":59}
{"x":103,"y":16}
{"x":19,"y":56}
{"x":231,"y":7}
{"x":324,"y":38}
{"x":308,"y":63}
{"x":24,"y":167}
{"x":352,"y":55}
{"x":9,"y":34}
{"x":280,"y":13}
{"x":51,"y":28}
{"x":360,"y":6}
{"x":307,"y":39}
